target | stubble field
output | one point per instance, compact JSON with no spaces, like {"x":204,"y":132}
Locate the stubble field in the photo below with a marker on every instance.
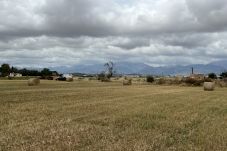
{"x":90,"y":115}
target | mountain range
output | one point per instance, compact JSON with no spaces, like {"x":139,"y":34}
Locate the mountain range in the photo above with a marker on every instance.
{"x":141,"y":68}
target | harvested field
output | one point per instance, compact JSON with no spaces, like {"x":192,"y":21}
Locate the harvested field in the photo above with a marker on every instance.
{"x":90,"y":115}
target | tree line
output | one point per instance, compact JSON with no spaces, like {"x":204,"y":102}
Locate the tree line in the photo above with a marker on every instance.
{"x":5,"y":70}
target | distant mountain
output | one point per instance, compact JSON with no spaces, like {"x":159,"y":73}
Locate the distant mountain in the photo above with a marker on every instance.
{"x":131,"y":68}
{"x":141,"y":68}
{"x":183,"y":70}
{"x":222,"y":63}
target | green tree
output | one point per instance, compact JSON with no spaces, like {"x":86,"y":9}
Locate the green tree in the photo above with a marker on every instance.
{"x":5,"y":69}
{"x":46,"y":72}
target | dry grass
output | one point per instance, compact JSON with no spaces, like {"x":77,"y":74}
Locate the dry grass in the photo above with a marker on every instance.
{"x":107,"y":116}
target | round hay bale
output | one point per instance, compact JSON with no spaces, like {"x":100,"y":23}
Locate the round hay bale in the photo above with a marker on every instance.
{"x":221,"y":83}
{"x":177,"y":80}
{"x":209,"y":86}
{"x":33,"y":81}
{"x":161,"y":81}
{"x":69,"y":79}
{"x":127,"y":82}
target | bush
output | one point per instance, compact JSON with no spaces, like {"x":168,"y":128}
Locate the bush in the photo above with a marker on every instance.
{"x":127,"y":82}
{"x":177,"y":80}
{"x":10,"y":78}
{"x":103,"y":78}
{"x":208,"y":80}
{"x":47,"y":78}
{"x":194,"y":81}
{"x":161,"y":81}
{"x":212,"y":76}
{"x":223,"y":75}
{"x":61,"y":79}
{"x":150,"y":79}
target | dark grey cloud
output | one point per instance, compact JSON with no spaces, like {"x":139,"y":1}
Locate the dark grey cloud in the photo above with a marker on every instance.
{"x":132,"y":43}
{"x":157,"y":32}
{"x":211,"y":15}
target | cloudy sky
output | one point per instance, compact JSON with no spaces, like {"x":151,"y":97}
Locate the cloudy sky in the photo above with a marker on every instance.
{"x":67,"y":32}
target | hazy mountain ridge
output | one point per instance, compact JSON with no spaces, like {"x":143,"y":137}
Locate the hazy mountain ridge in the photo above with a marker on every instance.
{"x":141,"y":68}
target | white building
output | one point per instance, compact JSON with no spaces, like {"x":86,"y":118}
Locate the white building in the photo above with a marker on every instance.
{"x":67,"y":75}
{"x":15,"y":75}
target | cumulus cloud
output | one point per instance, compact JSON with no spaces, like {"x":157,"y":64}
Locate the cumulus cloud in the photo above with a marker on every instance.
{"x":156,"y":32}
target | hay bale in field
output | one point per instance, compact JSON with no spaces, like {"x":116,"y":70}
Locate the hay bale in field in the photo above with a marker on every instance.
{"x":221,"y":83}
{"x":127,"y":82}
{"x":177,"y":80}
{"x":69,"y":79}
{"x":209,"y":86}
{"x":161,"y":81}
{"x":33,"y":81}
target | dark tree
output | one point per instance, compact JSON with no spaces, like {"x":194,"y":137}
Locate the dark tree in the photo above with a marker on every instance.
{"x":150,"y":79}
{"x":109,"y":69}
{"x":223,"y":75}
{"x":13,"y":69}
{"x":24,"y":72}
{"x":5,"y":69}
{"x":46,"y":72}
{"x":101,"y":76}
{"x":212,"y":75}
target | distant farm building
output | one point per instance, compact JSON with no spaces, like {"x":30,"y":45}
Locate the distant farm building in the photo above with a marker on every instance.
{"x":67,"y":75}
{"x":15,"y":75}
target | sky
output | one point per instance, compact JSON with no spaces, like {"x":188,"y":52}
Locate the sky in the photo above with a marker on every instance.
{"x":68,"y":32}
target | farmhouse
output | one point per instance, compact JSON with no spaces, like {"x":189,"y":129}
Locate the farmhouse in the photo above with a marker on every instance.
{"x":15,"y":74}
{"x":67,"y":75}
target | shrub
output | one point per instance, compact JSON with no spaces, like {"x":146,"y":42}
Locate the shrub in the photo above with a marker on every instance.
{"x":161,"y":81}
{"x":177,"y":80}
{"x":50,"y":78}
{"x":150,"y":79}
{"x":47,"y":77}
{"x":61,"y":79}
{"x":194,"y":81}
{"x":212,"y":76}
{"x":208,"y":80}
{"x":223,"y":75}
{"x":10,"y":78}
{"x":102,"y":77}
{"x":127,"y":82}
